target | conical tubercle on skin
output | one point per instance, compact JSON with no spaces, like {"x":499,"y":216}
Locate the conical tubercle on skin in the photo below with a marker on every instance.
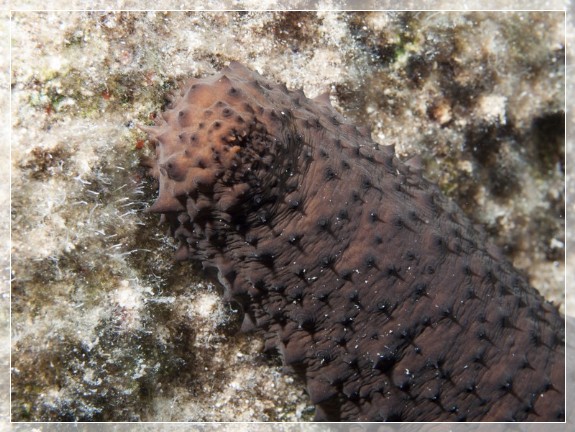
{"x":165,"y":204}
{"x":364,"y":131}
{"x":166,"y":201}
{"x":323,"y":98}
{"x":225,"y":80}
{"x":182,"y":253}
{"x":238,"y":69}
{"x":152,"y":131}
{"x":175,"y":166}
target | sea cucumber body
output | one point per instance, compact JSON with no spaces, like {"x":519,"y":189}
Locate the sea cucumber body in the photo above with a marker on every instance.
{"x":372,"y":286}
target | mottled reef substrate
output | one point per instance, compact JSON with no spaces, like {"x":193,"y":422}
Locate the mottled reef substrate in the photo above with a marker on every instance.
{"x":104,"y":325}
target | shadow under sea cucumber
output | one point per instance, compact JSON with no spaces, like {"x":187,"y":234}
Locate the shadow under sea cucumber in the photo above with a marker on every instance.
{"x":372,"y":286}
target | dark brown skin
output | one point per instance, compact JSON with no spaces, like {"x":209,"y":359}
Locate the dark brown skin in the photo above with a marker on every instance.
{"x":372,"y":286}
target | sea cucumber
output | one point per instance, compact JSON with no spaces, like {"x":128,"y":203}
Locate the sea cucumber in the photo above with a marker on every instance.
{"x":373,"y":286}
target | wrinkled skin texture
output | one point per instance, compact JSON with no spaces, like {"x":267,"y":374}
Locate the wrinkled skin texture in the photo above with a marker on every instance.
{"x":372,"y":286}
